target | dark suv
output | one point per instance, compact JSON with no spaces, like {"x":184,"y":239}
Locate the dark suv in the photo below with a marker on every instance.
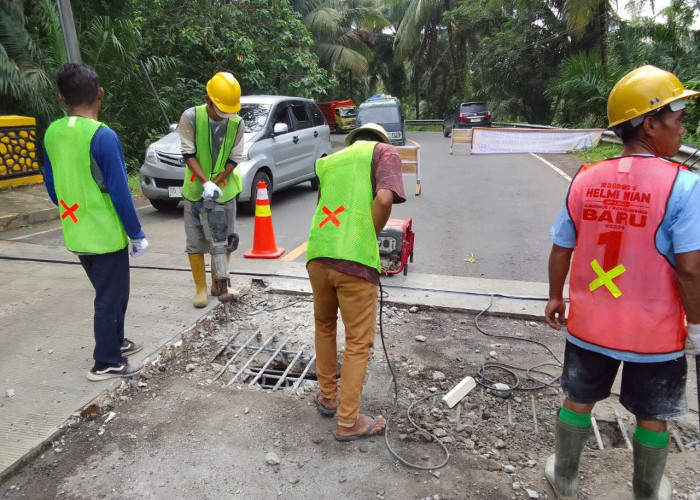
{"x":466,"y":115}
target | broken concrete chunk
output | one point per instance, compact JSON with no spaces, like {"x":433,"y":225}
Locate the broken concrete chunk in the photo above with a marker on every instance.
{"x":420,"y":338}
{"x":272,"y":459}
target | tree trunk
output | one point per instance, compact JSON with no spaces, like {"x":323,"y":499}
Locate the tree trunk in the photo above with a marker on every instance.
{"x":603,"y":16}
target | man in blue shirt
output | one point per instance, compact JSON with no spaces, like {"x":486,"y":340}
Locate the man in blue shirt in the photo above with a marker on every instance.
{"x":85,"y":175}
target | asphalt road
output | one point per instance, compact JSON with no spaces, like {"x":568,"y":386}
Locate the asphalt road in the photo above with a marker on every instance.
{"x":481,"y":216}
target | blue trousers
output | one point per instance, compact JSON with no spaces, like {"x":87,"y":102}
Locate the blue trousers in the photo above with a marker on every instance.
{"x":109,"y":275}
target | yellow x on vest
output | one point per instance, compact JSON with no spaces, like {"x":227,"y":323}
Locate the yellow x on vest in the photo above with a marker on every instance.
{"x":606,"y":278}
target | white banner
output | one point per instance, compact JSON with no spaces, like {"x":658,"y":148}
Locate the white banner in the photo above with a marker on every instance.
{"x":528,"y":140}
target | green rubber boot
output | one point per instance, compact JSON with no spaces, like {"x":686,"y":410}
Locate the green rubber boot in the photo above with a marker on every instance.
{"x":648,"y":481}
{"x":561,"y":469}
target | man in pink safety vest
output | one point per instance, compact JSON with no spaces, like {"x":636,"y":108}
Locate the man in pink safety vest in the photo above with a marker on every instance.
{"x":632,"y":225}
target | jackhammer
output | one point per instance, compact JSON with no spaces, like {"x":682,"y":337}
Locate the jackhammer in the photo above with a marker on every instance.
{"x":215,"y":227}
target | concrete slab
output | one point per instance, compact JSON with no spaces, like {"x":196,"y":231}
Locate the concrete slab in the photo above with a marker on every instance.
{"x":46,"y":338}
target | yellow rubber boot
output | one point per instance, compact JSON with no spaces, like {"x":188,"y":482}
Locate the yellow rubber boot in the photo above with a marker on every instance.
{"x":215,"y":291}
{"x":199,"y":274}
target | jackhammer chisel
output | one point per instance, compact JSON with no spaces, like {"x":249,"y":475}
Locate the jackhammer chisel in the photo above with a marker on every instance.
{"x":213,"y":218}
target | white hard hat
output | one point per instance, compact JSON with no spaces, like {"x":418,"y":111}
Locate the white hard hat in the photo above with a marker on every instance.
{"x":374,"y":128}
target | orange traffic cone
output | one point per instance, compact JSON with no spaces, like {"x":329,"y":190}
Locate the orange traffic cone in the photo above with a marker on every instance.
{"x":264,"y":246}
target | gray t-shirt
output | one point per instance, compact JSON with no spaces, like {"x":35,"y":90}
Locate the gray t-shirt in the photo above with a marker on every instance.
{"x":218,"y":130}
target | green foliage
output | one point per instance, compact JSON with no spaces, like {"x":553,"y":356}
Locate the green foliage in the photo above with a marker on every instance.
{"x":264,"y":44}
{"x":177,"y":45}
{"x":424,"y":128}
{"x":30,"y":52}
{"x":582,"y":89}
{"x":601,"y":152}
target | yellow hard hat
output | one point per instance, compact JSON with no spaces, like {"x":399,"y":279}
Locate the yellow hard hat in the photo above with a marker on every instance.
{"x":225,"y":92}
{"x":643,"y":90}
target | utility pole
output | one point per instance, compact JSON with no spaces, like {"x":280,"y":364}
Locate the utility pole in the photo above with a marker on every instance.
{"x":68,"y":27}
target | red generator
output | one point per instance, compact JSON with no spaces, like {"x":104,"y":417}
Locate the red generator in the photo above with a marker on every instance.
{"x":396,"y":246}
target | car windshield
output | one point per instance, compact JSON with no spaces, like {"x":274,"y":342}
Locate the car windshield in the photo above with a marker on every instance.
{"x":383,"y":114}
{"x":348,"y":112}
{"x":254,"y":116}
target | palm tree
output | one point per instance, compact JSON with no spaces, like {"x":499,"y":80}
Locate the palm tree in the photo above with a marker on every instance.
{"x":427,"y":42}
{"x":343,"y":33}
{"x":30,"y":53}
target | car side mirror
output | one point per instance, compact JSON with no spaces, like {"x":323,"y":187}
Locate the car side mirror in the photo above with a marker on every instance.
{"x":280,"y":128}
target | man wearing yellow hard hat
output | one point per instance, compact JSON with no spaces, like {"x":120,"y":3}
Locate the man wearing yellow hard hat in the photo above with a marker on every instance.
{"x":632,"y":224}
{"x":211,"y":137}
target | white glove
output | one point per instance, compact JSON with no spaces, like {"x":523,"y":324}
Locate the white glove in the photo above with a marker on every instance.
{"x":138,"y":247}
{"x":211,"y":189}
{"x":693,"y":341}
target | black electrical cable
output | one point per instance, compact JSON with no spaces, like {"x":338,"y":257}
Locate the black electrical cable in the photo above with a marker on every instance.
{"x":510,"y":368}
{"x":395,"y":405}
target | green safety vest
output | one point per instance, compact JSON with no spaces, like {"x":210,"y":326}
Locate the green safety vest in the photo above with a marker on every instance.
{"x":90,"y":222}
{"x":342,"y":226}
{"x":192,"y":188}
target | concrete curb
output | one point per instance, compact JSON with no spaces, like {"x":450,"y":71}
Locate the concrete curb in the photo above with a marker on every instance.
{"x":16,"y":221}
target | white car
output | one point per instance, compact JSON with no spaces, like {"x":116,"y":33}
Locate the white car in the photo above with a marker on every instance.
{"x":284,"y":136}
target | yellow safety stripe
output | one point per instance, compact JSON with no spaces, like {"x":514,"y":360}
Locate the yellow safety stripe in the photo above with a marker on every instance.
{"x":263,"y":211}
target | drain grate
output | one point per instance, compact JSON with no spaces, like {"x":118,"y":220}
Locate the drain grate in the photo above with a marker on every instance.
{"x":256,"y":362}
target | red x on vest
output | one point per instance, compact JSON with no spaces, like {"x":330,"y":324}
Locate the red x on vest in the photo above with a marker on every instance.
{"x":331,"y":215}
{"x":69,"y":211}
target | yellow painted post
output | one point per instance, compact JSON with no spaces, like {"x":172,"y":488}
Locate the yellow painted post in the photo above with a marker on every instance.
{"x":19,"y":154}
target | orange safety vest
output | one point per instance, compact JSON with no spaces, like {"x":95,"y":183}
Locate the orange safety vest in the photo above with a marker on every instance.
{"x":622,"y":290}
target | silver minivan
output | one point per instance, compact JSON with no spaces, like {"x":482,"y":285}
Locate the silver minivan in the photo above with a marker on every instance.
{"x":284,"y":136}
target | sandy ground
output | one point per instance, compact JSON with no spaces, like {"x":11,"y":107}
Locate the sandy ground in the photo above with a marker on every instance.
{"x":181,"y":431}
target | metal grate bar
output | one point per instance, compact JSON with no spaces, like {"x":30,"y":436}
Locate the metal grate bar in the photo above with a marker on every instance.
{"x":269,"y":349}
{"x":252,"y":357}
{"x":289,"y":368}
{"x":236,"y":355}
{"x":233,"y":337}
{"x":262,"y":370}
{"x":312,"y":361}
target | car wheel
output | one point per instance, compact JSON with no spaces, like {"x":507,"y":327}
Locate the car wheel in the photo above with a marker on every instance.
{"x":249,"y":206}
{"x":315,"y":183}
{"x":165,"y":204}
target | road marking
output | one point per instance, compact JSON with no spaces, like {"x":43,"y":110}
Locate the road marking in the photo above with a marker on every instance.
{"x":55,"y":229}
{"x":295,"y":253}
{"x":557,"y":170}
{"x":34,"y":234}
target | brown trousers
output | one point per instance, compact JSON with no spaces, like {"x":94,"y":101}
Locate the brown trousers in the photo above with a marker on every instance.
{"x":357,"y":300}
